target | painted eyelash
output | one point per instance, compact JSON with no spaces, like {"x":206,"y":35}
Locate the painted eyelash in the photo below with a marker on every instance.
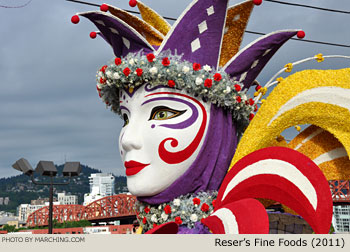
{"x":155,"y":110}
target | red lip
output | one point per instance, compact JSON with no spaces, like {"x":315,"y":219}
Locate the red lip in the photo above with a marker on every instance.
{"x":133,"y":167}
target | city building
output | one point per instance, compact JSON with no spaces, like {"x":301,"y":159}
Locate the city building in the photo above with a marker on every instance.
{"x":64,"y":199}
{"x":24,"y":210}
{"x":341,"y":218}
{"x":101,"y":185}
{"x":4,"y":201}
{"x":41,"y":201}
{"x":11,"y":221}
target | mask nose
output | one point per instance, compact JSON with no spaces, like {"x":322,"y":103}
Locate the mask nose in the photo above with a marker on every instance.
{"x":131,"y":138}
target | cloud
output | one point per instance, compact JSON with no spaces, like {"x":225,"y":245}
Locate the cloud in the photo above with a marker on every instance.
{"x":49,"y":108}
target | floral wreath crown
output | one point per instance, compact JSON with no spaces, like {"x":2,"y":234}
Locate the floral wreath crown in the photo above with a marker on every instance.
{"x":199,"y":54}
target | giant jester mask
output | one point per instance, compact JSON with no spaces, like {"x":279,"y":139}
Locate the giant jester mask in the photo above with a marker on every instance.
{"x":181,"y":92}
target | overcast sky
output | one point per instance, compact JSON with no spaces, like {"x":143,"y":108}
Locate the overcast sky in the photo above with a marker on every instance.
{"x":49,"y":108}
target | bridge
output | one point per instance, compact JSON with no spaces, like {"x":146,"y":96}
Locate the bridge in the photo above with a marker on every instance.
{"x":122,"y":207}
{"x":340,"y":191}
{"x":110,"y":208}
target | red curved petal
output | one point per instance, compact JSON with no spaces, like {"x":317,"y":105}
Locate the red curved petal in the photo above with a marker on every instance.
{"x":311,"y":198}
{"x":249,"y":215}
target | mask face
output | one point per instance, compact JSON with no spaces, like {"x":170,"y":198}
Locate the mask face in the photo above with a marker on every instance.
{"x":164,"y":130}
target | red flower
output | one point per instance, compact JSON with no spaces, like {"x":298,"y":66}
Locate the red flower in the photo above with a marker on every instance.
{"x":178,"y":220}
{"x":144,"y":220}
{"x":196,"y":201}
{"x":202,"y":220}
{"x":167,"y":209}
{"x":102,"y":81}
{"x":103,"y":69}
{"x":154,"y":225}
{"x":166,"y":62}
{"x":257,"y":87}
{"x":196,"y":66}
{"x":208,"y":83}
{"x":251,"y":116}
{"x":217,"y":77}
{"x":150,"y":57}
{"x":213,"y":202}
{"x":256,"y":108}
{"x":171,"y":83}
{"x":251,"y":102}
{"x":139,"y":71}
{"x":147,"y":209}
{"x":205,"y":207}
{"x":118,"y":61}
{"x":238,"y":99}
{"x":127,"y":71}
{"x":238,"y":87}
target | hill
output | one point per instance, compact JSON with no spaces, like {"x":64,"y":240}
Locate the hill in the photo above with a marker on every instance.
{"x":21,"y":190}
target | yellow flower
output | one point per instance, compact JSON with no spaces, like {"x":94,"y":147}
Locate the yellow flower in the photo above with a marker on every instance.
{"x":263,"y":101}
{"x":280,"y":79}
{"x":289,"y":67}
{"x":263,"y":90}
{"x":319,"y":57}
{"x":256,"y":93}
{"x":297,"y":127}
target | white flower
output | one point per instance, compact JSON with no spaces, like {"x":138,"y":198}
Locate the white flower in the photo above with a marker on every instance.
{"x":227,"y":90}
{"x":131,"y":62}
{"x":164,"y":216}
{"x":109,"y":74}
{"x":177,"y":202}
{"x":116,"y":76}
{"x":99,"y":86}
{"x":244,"y":97}
{"x":207,"y":68}
{"x":194,"y":217}
{"x":153,"y":70}
{"x":109,"y":83}
{"x":160,"y":207}
{"x":199,"y":81}
{"x":154,"y":218}
{"x":185,"y":69}
{"x":142,"y":62}
{"x":183,"y":212}
{"x":100,"y":74}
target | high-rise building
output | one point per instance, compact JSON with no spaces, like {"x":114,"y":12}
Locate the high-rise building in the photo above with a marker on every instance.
{"x":341,"y":218}
{"x":101,"y":185}
{"x":64,"y":199}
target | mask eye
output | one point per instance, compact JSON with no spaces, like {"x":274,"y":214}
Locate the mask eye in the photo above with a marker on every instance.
{"x":164,"y":113}
{"x":126,"y":119}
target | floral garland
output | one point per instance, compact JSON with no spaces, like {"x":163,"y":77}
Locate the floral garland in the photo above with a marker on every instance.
{"x":137,"y":69}
{"x":184,"y":210}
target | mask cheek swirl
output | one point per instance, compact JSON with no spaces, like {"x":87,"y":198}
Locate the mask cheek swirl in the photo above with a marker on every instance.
{"x":172,"y":126}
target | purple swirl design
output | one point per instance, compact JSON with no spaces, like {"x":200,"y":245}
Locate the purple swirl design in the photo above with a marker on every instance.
{"x":123,"y":107}
{"x":148,"y":87}
{"x":184,"y":124}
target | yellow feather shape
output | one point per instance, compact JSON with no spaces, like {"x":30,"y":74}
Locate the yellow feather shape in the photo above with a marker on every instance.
{"x":294,"y":101}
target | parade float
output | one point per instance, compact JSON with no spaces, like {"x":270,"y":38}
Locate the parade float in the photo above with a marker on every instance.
{"x":200,"y":154}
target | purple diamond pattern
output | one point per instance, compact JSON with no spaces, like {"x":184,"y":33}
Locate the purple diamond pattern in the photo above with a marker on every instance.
{"x":198,"y":33}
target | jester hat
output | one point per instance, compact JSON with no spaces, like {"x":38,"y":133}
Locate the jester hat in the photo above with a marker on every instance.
{"x":199,"y":53}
